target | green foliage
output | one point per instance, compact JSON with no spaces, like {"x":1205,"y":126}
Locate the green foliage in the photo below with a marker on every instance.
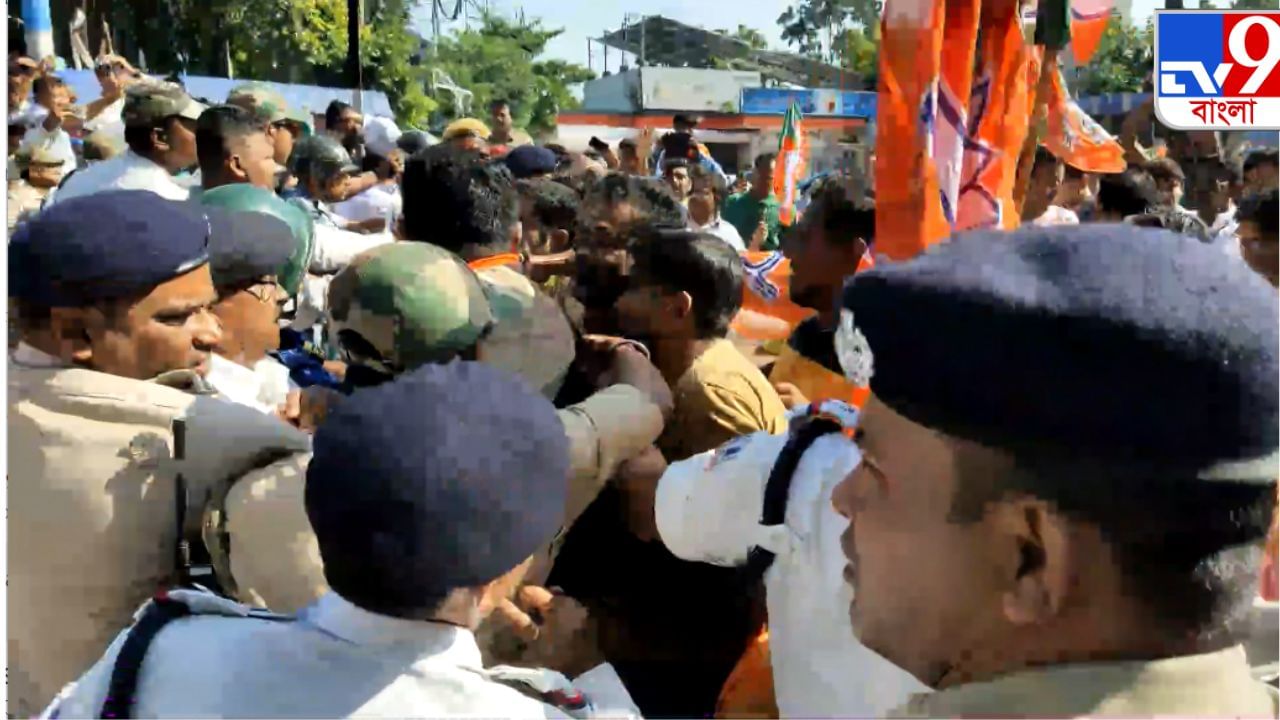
{"x":1256,"y":5}
{"x":497,"y":61}
{"x":752,"y":37}
{"x":1122,"y":62}
{"x":810,"y":25}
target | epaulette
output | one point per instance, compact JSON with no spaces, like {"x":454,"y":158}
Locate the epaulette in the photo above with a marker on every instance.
{"x":546,"y":686}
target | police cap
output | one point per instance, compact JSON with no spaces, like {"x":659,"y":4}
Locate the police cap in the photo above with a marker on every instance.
{"x":447,"y":477}
{"x":110,"y":245}
{"x":1137,"y":349}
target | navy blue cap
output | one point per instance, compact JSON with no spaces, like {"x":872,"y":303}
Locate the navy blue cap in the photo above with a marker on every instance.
{"x":527,"y":161}
{"x":107,"y":245}
{"x":1139,"y":348}
{"x":447,"y":477}
{"x":246,"y":246}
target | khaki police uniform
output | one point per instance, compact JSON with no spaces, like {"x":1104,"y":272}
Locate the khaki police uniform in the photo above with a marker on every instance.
{"x":92,"y":494}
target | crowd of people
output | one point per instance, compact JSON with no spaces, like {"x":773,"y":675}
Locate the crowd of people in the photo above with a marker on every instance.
{"x":349,"y":420}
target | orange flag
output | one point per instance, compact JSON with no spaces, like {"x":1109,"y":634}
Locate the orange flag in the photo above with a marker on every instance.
{"x":1088,"y":22}
{"x":1072,"y":135}
{"x":767,"y":311}
{"x":926,"y":76}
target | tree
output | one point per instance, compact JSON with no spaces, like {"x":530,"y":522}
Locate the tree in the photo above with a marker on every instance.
{"x":498,"y":60}
{"x":808,"y":23}
{"x":1256,"y":5}
{"x":1122,"y":62}
{"x":752,"y":37}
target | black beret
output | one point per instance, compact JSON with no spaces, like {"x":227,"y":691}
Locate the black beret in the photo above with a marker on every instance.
{"x":529,"y":160}
{"x":245,"y":246}
{"x":108,"y":245}
{"x":447,"y":477}
{"x":1124,"y":345}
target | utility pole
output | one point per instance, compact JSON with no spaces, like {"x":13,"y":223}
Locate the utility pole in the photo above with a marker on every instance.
{"x":353,"y":52}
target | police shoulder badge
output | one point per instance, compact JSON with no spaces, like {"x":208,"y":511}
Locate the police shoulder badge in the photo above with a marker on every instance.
{"x":729,"y":450}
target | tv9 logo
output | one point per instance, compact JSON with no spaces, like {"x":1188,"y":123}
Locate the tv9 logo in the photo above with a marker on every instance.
{"x":1217,"y":70}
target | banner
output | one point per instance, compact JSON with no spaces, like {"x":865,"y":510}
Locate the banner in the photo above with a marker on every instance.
{"x":789,"y":169}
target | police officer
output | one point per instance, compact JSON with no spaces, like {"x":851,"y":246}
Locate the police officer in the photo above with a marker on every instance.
{"x":396,"y":308}
{"x":438,"y":530}
{"x":1095,"y":449}
{"x":258,"y":251}
{"x":114,"y":294}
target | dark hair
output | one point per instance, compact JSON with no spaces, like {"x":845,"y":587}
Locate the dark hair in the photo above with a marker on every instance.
{"x":1262,"y":210}
{"x":47,"y":83}
{"x":496,"y":103}
{"x":138,"y":138}
{"x":763,"y":158}
{"x":841,"y":217}
{"x":554,"y":205}
{"x":718,"y":186}
{"x":706,"y":267}
{"x":1230,"y":171}
{"x":1170,"y":218}
{"x":1164,"y":170}
{"x":675,"y":162}
{"x":333,"y":113}
{"x":216,"y":127}
{"x":1262,"y":156}
{"x":457,"y":198}
{"x":628,"y":144}
{"x":650,"y":198}
{"x":371,"y":161}
{"x":1071,"y":172}
{"x":1044,"y":159}
{"x":1186,"y":549}
{"x":1126,"y":193}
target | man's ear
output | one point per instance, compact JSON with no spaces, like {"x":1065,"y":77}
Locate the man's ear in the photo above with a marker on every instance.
{"x":681,"y":304}
{"x":70,"y":330}
{"x":160,"y":139}
{"x":235,"y":168}
{"x":1035,"y":559}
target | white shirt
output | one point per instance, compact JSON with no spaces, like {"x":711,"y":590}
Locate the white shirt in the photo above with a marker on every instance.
{"x":109,"y":121}
{"x":56,"y":141}
{"x":263,"y":387}
{"x":126,"y":171}
{"x":723,"y":230}
{"x":334,"y":660}
{"x":708,"y":509}
{"x":375,"y":202}
{"x":1057,"y":215}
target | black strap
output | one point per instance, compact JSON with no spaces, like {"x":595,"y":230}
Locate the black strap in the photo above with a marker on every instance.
{"x":778,"y":488}
{"x":128,"y":666}
{"x":192,"y":561}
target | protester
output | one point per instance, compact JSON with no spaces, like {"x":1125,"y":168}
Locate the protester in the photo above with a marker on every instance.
{"x":504,"y":136}
{"x":1257,"y":220}
{"x":685,"y":124}
{"x":1074,"y":192}
{"x":233,"y":146}
{"x":459,"y":200}
{"x":548,"y":216}
{"x":116,"y":333}
{"x":1123,"y":194}
{"x":160,"y":122}
{"x":1170,"y":182}
{"x":629,"y":161}
{"x":346,"y":125}
{"x":259,"y":251}
{"x":1262,"y":170}
{"x":1148,"y":623}
{"x":382,"y":201}
{"x":22,"y":74}
{"x":1042,"y":188}
{"x":830,"y":241}
{"x":413,"y":142}
{"x":106,"y":114}
{"x":675,"y":173}
{"x":53,"y":101}
{"x":754,"y":213}
{"x":388,"y":587}
{"x":706,"y":197}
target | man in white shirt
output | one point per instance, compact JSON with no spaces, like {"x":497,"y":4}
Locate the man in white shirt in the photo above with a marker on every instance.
{"x":1046,"y":177}
{"x":160,"y":120}
{"x":708,"y":193}
{"x":106,"y":114}
{"x":384,"y":159}
{"x":395,"y":636}
{"x":52,"y":108}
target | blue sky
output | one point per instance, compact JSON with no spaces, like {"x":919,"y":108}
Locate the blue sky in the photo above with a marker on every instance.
{"x":588,"y":18}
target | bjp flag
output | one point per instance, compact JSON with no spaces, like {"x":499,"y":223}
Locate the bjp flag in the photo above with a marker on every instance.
{"x":1088,"y":22}
{"x":767,"y":311}
{"x":793,"y":156}
{"x":1072,"y":135}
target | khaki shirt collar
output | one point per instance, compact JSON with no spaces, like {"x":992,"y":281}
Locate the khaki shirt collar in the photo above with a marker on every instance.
{"x":1211,"y":684}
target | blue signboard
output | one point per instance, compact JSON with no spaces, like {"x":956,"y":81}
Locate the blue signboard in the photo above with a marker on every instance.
{"x":813,"y":102}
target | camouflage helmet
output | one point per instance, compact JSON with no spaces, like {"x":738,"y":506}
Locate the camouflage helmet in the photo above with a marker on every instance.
{"x":262,"y":100}
{"x":242,"y":197}
{"x":403,"y":305}
{"x":532,"y":337}
{"x":319,"y":156}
